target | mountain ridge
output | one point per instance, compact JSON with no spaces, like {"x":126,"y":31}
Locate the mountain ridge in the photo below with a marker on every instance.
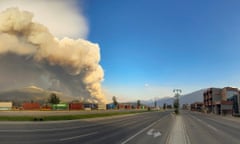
{"x":31,"y":94}
{"x":195,"y":96}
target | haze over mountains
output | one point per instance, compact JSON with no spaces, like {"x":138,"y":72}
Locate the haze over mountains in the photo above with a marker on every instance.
{"x":32,"y":94}
{"x":36,"y":94}
{"x":196,"y":96}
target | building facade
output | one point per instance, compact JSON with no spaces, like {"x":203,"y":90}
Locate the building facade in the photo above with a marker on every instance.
{"x":222,"y":101}
{"x":6,"y":105}
{"x":197,"y":106}
{"x":210,"y":97}
{"x":233,"y":95}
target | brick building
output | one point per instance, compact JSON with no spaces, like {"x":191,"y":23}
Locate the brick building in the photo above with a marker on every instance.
{"x":220,"y":101}
{"x":210,"y":97}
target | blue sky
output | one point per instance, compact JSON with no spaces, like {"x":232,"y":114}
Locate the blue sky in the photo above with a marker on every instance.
{"x":149,"y":47}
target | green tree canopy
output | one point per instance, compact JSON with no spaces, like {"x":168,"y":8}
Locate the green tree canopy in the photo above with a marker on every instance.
{"x":138,"y":103}
{"x":114,"y":100}
{"x":53,"y":99}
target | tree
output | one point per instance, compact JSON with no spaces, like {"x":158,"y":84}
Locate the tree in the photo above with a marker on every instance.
{"x":53,"y":99}
{"x":114,"y":100}
{"x":176,"y":106}
{"x":138,"y":103}
{"x":164,"y":106}
{"x":155,"y":103}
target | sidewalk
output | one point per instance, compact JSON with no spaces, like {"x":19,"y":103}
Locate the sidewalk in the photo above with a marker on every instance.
{"x":178,"y":134}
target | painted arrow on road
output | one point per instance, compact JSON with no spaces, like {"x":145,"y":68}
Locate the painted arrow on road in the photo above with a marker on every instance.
{"x":155,"y":133}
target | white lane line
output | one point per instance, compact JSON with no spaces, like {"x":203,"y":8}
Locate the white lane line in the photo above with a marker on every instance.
{"x":80,"y":136}
{"x":204,"y":123}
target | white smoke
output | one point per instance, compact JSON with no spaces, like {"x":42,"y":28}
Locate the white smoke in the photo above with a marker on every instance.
{"x":70,"y":65}
{"x":62,"y":17}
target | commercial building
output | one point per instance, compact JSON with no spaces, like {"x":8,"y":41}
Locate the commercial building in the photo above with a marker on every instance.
{"x":220,"y":101}
{"x":101,"y":106}
{"x":76,"y":106}
{"x":6,"y":105}
{"x":61,"y":106}
{"x":31,"y":106}
{"x":197,"y":106}
{"x":210,"y":97}
{"x":233,"y":95}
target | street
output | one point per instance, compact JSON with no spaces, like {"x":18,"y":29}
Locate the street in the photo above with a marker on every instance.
{"x":151,"y":127}
{"x":207,"y":128}
{"x":142,"y":128}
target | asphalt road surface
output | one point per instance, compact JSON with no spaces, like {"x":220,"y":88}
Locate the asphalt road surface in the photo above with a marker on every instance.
{"x":150,"y":127}
{"x":143,"y":128}
{"x":210,"y":129}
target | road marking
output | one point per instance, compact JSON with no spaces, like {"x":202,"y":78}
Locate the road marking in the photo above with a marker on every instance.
{"x":204,"y":123}
{"x":150,"y":132}
{"x":155,"y":133}
{"x":141,"y":131}
{"x":80,"y":136}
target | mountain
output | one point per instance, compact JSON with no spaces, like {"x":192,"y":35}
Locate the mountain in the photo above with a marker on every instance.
{"x":160,"y":102}
{"x":196,"y":96}
{"x":31,"y":93}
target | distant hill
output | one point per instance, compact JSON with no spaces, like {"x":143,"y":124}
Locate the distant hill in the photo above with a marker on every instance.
{"x":160,"y":102}
{"x":31,"y":93}
{"x":184,"y":99}
{"x":196,"y":96}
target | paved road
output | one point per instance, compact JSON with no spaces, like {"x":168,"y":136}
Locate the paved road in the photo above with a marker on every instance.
{"x":142,"y":128}
{"x":206,"y":129}
{"x":54,"y":113}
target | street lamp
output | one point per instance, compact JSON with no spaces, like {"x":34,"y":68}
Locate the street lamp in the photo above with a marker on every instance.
{"x":176,"y":103}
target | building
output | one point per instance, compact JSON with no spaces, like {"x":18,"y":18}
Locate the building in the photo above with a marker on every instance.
{"x":127,"y":106}
{"x":111,"y":106}
{"x":31,"y":106}
{"x":197,"y":106}
{"x":210,"y":96}
{"x":185,"y":107}
{"x":101,"y":106}
{"x":61,"y":106}
{"x":75,"y":106}
{"x":233,"y":95}
{"x":6,"y":105}
{"x":235,"y":101}
{"x":229,"y":92}
{"x":220,"y":101}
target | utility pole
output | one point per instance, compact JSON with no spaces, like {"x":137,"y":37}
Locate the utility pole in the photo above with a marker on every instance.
{"x":176,"y":102}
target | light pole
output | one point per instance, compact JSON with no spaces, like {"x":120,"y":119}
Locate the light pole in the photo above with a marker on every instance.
{"x":176,"y":102}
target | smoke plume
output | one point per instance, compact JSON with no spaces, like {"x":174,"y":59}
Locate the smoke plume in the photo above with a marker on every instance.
{"x":29,"y":53}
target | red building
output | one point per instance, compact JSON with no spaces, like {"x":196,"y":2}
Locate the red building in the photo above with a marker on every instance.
{"x":31,"y":106}
{"x":76,"y":106}
{"x":125,"y":106}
